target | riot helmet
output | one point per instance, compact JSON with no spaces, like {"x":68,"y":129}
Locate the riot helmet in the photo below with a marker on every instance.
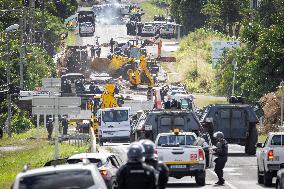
{"x":135,"y":152}
{"x":149,"y":148}
{"x":218,"y":135}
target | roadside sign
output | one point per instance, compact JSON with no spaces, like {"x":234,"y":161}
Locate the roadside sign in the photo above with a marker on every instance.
{"x":51,"y":84}
{"x":51,"y":101}
{"x":220,"y":48}
{"x":51,"y":111}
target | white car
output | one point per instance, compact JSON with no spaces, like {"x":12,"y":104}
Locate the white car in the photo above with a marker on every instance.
{"x":167,"y":30}
{"x":183,"y":158}
{"x":148,"y":30}
{"x":270,"y":157}
{"x":86,"y":29}
{"x":82,"y":175}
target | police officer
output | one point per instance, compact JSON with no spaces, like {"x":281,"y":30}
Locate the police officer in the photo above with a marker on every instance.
{"x":161,"y":168}
{"x":135,"y":174}
{"x":49,"y":128}
{"x":221,"y":151}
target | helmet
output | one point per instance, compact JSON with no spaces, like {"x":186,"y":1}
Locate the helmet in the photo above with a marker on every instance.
{"x":218,"y":135}
{"x":135,"y":152}
{"x":149,"y":147}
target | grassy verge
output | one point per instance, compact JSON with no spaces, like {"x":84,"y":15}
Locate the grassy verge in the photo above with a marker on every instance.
{"x":193,"y":60}
{"x":204,"y":100}
{"x":34,"y":154}
{"x":151,"y":9}
{"x":71,"y":39}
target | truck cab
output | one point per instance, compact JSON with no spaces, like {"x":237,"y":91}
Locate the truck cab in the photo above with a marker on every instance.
{"x":114,"y":124}
{"x":178,"y":151}
{"x":270,"y":157}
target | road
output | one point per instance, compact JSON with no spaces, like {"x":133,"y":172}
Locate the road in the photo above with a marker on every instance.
{"x":239,"y":173}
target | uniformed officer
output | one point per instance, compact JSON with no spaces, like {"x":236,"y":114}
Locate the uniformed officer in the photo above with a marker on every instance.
{"x":49,"y":128}
{"x":221,"y":151}
{"x":162,"y":169}
{"x":135,"y":174}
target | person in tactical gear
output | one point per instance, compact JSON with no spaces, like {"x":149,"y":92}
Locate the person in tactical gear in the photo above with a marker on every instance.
{"x":135,"y":173}
{"x":65,"y":125}
{"x":160,"y":167}
{"x":49,"y":128}
{"x":221,"y":151}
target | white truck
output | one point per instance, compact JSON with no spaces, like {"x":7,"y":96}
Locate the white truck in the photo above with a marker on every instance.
{"x":183,"y":158}
{"x":270,"y":157}
{"x":114,"y":124}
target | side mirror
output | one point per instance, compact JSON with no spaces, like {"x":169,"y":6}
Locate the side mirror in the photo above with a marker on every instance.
{"x":259,"y":145}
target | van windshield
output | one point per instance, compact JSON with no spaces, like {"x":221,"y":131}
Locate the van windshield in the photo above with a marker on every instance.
{"x":115,"y":116}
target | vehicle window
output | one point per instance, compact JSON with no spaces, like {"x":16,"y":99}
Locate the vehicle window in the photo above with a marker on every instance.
{"x":181,"y":139}
{"x":162,"y":140}
{"x":172,"y":139}
{"x":115,"y":116}
{"x":92,"y":160}
{"x":190,"y":139}
{"x":179,"y":121}
{"x":80,"y":179}
{"x":276,"y":140}
{"x":166,"y":121}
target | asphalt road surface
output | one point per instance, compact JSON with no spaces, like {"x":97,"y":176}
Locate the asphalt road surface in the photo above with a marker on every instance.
{"x":239,"y":173}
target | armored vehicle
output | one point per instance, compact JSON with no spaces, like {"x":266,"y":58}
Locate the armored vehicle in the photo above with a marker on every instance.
{"x":236,"y":121}
{"x":151,"y":123}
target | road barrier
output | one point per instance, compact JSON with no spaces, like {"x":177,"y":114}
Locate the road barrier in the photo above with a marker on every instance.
{"x":93,"y":141}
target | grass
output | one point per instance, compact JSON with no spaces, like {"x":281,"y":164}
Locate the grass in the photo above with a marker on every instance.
{"x":194,"y":56}
{"x":17,"y":139}
{"x":71,"y":39}
{"x":204,"y":100}
{"x":34,"y":154}
{"x":151,"y":9}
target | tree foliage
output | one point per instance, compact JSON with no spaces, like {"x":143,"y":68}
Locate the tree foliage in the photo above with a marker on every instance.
{"x":260,"y":66}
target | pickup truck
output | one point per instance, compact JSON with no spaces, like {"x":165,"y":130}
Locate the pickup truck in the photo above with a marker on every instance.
{"x":270,"y":157}
{"x":178,"y":152}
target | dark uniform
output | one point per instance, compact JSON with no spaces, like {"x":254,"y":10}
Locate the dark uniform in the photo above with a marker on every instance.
{"x":222,"y":156}
{"x":163,"y":172}
{"x":49,"y":128}
{"x":135,"y":174}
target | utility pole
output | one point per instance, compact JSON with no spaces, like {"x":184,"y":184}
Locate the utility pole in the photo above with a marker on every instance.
{"x":31,"y":20}
{"x":42,"y":22}
{"x":234,"y":77}
{"x":22,"y":51}
{"x":8,"y":82}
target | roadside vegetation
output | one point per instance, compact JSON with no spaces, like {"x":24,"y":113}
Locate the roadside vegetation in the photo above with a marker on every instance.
{"x":151,"y":9}
{"x":33,"y":153}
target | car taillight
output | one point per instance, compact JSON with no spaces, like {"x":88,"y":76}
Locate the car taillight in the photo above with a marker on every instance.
{"x":201,"y":155}
{"x":103,"y":172}
{"x":270,"y":155}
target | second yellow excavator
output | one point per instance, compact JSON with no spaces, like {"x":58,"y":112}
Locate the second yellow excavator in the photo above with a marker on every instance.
{"x":141,"y":74}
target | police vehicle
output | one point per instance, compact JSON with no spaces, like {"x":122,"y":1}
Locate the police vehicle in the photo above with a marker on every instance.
{"x":270,"y":157}
{"x":183,"y":158}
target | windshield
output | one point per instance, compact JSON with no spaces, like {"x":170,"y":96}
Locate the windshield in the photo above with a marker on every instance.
{"x":176,"y":140}
{"x":115,"y":116}
{"x":92,"y":160}
{"x":79,"y":179}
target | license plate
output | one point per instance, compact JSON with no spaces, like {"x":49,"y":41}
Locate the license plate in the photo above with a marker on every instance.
{"x":148,"y":127}
{"x":178,"y":166}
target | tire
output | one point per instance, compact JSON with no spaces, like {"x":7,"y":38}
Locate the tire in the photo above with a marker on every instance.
{"x":200,"y":178}
{"x":252,"y":140}
{"x":267,"y":179}
{"x":259,"y":177}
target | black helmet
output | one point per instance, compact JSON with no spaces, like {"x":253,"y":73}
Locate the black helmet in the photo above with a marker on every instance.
{"x":149,"y":147}
{"x":135,"y":152}
{"x":218,"y":135}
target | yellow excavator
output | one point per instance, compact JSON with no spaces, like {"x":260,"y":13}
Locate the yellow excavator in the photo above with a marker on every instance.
{"x":141,"y":74}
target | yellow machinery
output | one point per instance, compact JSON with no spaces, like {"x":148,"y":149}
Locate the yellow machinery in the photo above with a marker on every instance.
{"x":106,"y":100}
{"x":141,"y":74}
